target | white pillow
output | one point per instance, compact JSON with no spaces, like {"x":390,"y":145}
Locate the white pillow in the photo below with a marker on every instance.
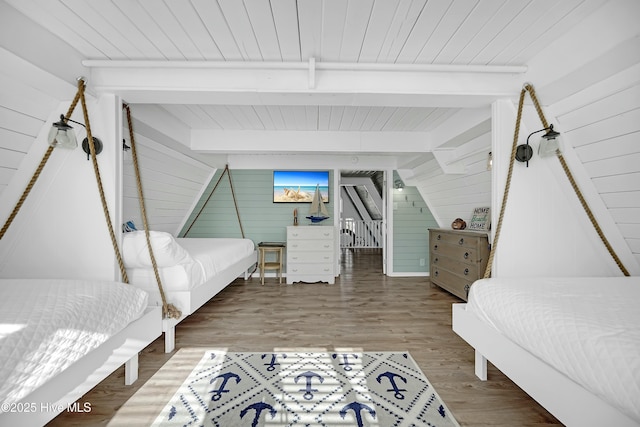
{"x":166,"y":250}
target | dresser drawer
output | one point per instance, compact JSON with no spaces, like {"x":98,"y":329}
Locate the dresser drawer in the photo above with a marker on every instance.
{"x":454,"y":239}
{"x":463,"y":254}
{"x":455,"y":284}
{"x":310,"y":245}
{"x":469,"y":271}
{"x":310,"y":269}
{"x":309,"y":257}
{"x":319,"y":232}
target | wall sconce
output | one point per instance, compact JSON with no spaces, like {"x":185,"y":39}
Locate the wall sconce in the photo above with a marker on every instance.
{"x":62,"y":135}
{"x":398,"y":185}
{"x":548,"y":145}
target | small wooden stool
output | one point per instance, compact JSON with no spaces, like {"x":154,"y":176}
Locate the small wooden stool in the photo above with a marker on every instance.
{"x":278,"y":249}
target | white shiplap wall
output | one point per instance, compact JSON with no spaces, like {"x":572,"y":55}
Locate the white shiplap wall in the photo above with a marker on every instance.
{"x":171,"y":181}
{"x":603,"y":126}
{"x":26,"y":102}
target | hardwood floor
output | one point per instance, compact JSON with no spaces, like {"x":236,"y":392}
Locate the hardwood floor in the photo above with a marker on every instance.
{"x":364,"y":310}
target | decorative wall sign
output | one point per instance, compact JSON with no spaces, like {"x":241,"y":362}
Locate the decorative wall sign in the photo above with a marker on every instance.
{"x":480,"y":219}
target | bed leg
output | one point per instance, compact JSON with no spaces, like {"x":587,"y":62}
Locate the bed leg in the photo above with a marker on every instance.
{"x":481,"y":366}
{"x":131,"y":370}
{"x":169,"y":339}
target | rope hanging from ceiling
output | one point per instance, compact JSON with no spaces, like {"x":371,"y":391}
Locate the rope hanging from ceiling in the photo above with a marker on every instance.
{"x":565,"y":167}
{"x":168,"y":310}
{"x":79,"y":97}
{"x":226,"y":171}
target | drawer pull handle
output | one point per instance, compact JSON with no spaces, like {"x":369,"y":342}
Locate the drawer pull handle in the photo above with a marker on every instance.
{"x":461,"y":241}
{"x":436,"y":273}
{"x":435,"y":260}
{"x":466,"y":289}
{"x":466,"y":271}
{"x":435,"y":247}
{"x":466,"y":255}
{"x":439,"y":237}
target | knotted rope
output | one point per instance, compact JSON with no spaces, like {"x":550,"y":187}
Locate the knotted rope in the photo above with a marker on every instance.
{"x":528,"y":88}
{"x":168,"y":310}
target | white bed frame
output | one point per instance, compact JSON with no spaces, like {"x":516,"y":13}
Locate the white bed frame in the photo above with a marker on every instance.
{"x":568,"y":401}
{"x":60,"y":393}
{"x":190,"y":300}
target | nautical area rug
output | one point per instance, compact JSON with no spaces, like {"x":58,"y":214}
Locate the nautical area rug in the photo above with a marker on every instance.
{"x":297,"y":388}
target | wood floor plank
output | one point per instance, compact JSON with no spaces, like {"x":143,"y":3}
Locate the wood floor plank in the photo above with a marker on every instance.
{"x":364,"y":310}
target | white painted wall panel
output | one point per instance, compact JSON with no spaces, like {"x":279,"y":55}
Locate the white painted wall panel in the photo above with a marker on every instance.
{"x":171,"y":185}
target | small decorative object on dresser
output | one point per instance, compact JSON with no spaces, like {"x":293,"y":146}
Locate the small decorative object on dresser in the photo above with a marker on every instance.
{"x":458,"y":224}
{"x":311,"y":254}
{"x":458,"y":258}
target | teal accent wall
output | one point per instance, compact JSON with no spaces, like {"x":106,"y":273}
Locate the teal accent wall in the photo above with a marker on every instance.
{"x":411,"y":222}
{"x":262,"y":220}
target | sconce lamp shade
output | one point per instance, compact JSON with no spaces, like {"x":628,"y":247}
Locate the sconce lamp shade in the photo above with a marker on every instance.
{"x":62,"y":135}
{"x":550,"y":143}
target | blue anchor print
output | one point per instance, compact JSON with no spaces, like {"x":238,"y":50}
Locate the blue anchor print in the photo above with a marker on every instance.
{"x":308,"y":395}
{"x":258,"y":407}
{"x":217,"y":394}
{"x":357,"y":407}
{"x":394,"y":387}
{"x":271,"y":366}
{"x":345,"y":357}
{"x":441,"y":411}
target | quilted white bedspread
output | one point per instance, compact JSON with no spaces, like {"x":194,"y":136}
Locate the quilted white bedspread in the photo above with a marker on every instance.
{"x":46,"y":325}
{"x":587,"y":328}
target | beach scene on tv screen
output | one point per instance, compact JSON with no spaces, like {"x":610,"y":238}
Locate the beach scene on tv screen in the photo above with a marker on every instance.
{"x":299,"y":186}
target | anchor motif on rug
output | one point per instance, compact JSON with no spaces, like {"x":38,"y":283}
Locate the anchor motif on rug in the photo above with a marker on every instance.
{"x":217,"y":394}
{"x":271,"y":366}
{"x":357,"y":408}
{"x":308,"y":395}
{"x":346,"y":365}
{"x":394,"y":387}
{"x":258,"y":407}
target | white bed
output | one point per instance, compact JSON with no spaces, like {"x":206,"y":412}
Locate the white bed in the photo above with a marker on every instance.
{"x":192,"y":270}
{"x":573,"y":344}
{"x":59,"y":338}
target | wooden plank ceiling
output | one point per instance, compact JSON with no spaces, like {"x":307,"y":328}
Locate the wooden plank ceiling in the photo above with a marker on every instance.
{"x":401,"y":32}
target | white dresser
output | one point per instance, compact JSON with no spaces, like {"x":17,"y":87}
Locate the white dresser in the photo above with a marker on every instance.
{"x":311,"y":254}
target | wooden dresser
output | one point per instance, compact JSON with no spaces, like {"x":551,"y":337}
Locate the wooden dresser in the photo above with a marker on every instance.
{"x":311,"y":254}
{"x":458,"y":258}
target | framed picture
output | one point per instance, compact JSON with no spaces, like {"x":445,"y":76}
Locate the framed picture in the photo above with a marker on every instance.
{"x":298,"y":186}
{"x":480,"y":219}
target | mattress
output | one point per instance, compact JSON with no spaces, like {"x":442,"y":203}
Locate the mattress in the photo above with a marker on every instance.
{"x":47,"y":325}
{"x":586,"y":328}
{"x":207,"y":258}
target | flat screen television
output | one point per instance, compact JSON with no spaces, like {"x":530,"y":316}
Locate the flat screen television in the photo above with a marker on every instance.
{"x":298,"y":186}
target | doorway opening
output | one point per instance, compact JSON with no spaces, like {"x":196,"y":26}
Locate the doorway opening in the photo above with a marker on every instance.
{"x":362,"y":222}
